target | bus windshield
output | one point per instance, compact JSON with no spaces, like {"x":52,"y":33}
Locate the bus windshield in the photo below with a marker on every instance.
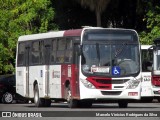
{"x":118,"y":58}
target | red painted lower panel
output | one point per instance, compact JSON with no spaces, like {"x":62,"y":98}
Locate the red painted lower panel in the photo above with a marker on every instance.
{"x":69,"y":72}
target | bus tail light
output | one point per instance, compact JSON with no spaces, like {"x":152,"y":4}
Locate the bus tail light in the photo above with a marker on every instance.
{"x":87,"y":84}
{"x":156,"y":81}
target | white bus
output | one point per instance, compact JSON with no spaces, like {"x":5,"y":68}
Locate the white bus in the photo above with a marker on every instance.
{"x":80,"y":66}
{"x":147,"y":94}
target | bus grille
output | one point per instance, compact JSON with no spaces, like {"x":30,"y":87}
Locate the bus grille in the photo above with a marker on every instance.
{"x":113,"y":81}
{"x":106,"y":83}
{"x":111,"y":92}
{"x":156,"y":92}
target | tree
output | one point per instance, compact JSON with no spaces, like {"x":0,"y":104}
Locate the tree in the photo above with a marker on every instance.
{"x":21,"y":17}
{"x":152,"y":19}
{"x":96,"y":5}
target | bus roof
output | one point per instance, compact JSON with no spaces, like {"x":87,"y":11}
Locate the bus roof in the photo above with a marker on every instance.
{"x":76,"y":32}
{"x":41,"y":36}
{"x":54,"y":34}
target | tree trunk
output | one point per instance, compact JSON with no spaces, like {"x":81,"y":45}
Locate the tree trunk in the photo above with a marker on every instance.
{"x":98,"y":16}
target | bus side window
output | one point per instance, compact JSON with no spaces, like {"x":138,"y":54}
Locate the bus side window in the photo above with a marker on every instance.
{"x":21,"y":54}
{"x":42,"y":52}
{"x":35,"y":53}
{"x":53,"y":51}
{"x":68,"y":52}
{"x":68,"y":56}
{"x":61,"y":50}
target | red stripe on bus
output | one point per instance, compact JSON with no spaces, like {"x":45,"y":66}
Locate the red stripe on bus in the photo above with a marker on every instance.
{"x":76,"y":32}
{"x":101,"y":83}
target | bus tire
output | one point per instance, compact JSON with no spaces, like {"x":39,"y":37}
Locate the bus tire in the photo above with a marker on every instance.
{"x":39,"y":102}
{"x":7,"y":98}
{"x":72,"y":103}
{"x":123,"y":104}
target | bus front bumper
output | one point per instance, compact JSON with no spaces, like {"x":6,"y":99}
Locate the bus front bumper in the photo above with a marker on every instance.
{"x":156,"y":91}
{"x":114,"y":94}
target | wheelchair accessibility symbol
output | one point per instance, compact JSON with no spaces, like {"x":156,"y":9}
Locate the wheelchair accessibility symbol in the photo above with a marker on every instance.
{"x":116,"y":70}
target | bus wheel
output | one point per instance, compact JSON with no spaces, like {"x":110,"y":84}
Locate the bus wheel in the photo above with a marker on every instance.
{"x":123,"y":104}
{"x":7,"y":98}
{"x":39,"y":102}
{"x":72,"y":103}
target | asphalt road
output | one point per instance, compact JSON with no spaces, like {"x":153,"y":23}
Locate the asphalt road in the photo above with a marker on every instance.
{"x":60,"y":111}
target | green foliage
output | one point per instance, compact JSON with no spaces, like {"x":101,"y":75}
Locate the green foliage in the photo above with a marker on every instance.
{"x":153,"y":24}
{"x":20,"y":17}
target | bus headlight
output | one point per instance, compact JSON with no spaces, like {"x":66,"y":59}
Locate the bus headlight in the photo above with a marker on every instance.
{"x":87,"y":84}
{"x":133,"y":84}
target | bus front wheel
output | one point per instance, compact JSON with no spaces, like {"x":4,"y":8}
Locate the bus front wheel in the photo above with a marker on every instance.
{"x":72,"y":103}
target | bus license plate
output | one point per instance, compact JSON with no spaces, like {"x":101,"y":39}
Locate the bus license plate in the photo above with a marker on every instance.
{"x":133,"y":94}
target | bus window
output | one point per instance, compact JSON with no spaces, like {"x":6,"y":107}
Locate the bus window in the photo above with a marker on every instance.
{"x":21,"y":54}
{"x":35,"y":53}
{"x":42,"y":52}
{"x":53,"y":52}
{"x":68,"y":53}
{"x":61,"y":50}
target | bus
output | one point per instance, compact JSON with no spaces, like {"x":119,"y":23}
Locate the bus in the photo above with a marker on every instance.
{"x":147,"y":94}
{"x":156,"y":68}
{"x":80,"y":66}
